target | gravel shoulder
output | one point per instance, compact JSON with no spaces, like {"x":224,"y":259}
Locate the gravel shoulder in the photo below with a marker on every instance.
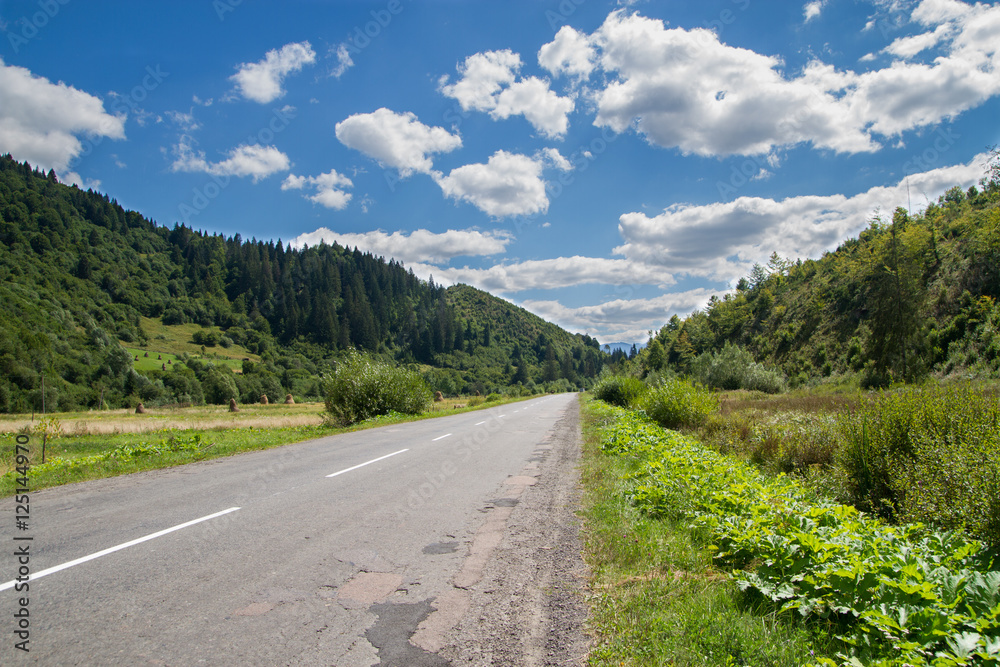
{"x":528,"y":606}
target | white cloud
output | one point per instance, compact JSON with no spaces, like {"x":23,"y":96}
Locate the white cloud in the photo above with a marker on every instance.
{"x":532,"y":98}
{"x":553,"y":157}
{"x":813,"y":9}
{"x":262,"y":81}
{"x":508,"y":184}
{"x":488,"y":82}
{"x":73,"y":178}
{"x":688,"y":90}
{"x":555,"y":273}
{"x":41,"y":121}
{"x":569,"y":53}
{"x":483,"y":75}
{"x":344,"y":61}
{"x":245,"y":160}
{"x":621,"y":319}
{"x":185,"y":121}
{"x":685,"y":89}
{"x":395,"y":140}
{"x":721,"y":241}
{"x":328,"y":188}
{"x":415,"y":247}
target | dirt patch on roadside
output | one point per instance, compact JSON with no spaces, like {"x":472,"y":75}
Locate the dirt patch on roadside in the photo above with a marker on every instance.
{"x":528,"y":608}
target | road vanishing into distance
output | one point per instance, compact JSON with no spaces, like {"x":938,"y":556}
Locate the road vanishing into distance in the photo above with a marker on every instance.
{"x":436,"y":542}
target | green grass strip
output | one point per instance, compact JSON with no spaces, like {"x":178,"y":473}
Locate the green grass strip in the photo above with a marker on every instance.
{"x":657,"y":597}
{"x":889,"y":595}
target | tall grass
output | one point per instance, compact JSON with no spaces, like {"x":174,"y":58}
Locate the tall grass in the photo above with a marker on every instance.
{"x":362,"y":387}
{"x":928,"y":454}
{"x":620,"y":390}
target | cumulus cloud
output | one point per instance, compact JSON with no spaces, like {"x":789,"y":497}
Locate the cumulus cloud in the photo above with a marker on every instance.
{"x":621,"y":319}
{"x":414,"y":247}
{"x":41,"y":121}
{"x":262,"y":81}
{"x":483,"y":75}
{"x":328,"y":189}
{"x":554,"y":273}
{"x":570,"y":53}
{"x":488,"y":82}
{"x":532,"y":98}
{"x":254,"y":160}
{"x":508,"y":184}
{"x":721,"y":241}
{"x":686,"y":89}
{"x":396,"y":140}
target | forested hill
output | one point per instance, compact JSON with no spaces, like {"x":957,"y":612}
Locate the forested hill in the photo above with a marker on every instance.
{"x":913,"y":295}
{"x":82,"y":279}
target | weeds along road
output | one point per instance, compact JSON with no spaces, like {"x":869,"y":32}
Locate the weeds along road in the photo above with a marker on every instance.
{"x":444,"y":541}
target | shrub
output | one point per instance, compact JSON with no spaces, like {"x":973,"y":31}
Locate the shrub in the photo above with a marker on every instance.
{"x":219,"y":385}
{"x":620,"y":390}
{"x":733,"y":367}
{"x":929,"y":455}
{"x":679,"y":404}
{"x":362,"y":387}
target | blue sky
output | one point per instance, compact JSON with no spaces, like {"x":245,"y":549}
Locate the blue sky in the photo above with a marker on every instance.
{"x":603,"y":164}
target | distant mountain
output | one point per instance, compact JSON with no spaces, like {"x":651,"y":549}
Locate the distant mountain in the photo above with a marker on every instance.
{"x":622,"y":347}
{"x":82,"y":279}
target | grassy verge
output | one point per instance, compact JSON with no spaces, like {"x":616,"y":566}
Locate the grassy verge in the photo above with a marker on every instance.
{"x":88,"y":452}
{"x":657,"y":599}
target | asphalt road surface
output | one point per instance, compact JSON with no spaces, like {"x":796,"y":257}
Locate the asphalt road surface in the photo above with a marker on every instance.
{"x":444,"y":541}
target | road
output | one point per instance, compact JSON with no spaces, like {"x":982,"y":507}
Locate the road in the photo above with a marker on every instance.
{"x":368,"y":548}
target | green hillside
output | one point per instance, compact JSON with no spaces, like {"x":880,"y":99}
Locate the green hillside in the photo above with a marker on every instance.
{"x":914,"y":295}
{"x":88,"y":286}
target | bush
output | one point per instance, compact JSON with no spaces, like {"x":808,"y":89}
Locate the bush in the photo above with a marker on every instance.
{"x":361,"y":387}
{"x":219,"y":385}
{"x":679,"y":404}
{"x":734,"y":368}
{"x":620,"y":390}
{"x":928,"y":455}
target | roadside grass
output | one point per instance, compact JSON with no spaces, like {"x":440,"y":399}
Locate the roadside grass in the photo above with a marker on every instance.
{"x":656,"y":598}
{"x":99,"y":444}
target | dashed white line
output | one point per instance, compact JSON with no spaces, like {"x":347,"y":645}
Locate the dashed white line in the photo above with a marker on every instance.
{"x":362,"y":465}
{"x":441,"y":437}
{"x":58,"y":568}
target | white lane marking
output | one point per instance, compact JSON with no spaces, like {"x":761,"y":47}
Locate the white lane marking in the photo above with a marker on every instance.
{"x":480,"y":423}
{"x":52,"y":570}
{"x":441,"y":437}
{"x":362,"y":465}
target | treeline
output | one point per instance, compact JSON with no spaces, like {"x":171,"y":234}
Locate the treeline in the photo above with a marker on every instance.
{"x":912,"y":295}
{"x":79,"y":272}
